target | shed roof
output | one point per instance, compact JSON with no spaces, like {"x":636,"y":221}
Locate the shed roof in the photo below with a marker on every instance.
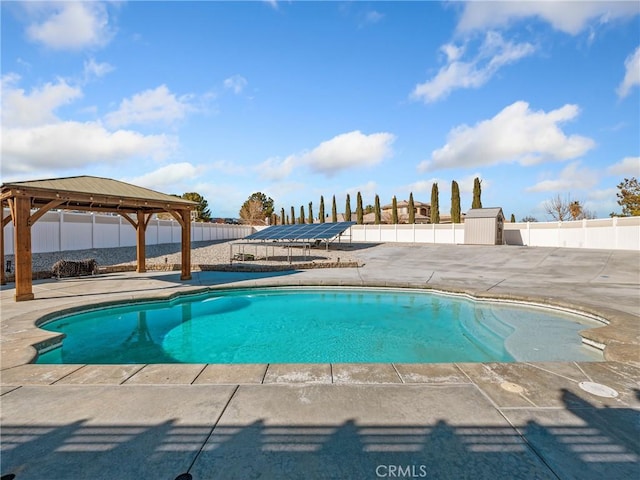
{"x":484,"y":213}
{"x":88,"y":192}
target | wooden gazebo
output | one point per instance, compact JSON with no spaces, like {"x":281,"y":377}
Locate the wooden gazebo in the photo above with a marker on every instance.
{"x":29,"y":201}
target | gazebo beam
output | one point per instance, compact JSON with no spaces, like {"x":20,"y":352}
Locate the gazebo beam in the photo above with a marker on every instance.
{"x":44,"y":209}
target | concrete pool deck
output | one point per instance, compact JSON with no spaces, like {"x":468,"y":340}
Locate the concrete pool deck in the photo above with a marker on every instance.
{"x":483,"y":420}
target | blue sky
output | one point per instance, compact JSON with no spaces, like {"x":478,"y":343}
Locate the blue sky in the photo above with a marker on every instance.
{"x":302,"y":99}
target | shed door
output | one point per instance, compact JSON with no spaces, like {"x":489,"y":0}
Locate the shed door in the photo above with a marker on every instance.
{"x":500,"y":229}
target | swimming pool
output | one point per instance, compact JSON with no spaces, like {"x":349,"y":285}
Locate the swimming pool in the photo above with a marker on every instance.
{"x":313,"y":325}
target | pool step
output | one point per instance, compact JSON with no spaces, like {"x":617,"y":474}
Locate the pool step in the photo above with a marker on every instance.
{"x":487,"y":333}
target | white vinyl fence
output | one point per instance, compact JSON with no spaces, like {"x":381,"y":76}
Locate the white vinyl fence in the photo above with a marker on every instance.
{"x":62,"y":230}
{"x":618,"y":233}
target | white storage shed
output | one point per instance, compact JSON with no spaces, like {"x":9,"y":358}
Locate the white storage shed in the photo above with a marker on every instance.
{"x":484,"y":226}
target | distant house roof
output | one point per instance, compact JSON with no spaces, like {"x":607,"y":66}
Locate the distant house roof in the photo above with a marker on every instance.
{"x":484,"y":213}
{"x":405,"y":203}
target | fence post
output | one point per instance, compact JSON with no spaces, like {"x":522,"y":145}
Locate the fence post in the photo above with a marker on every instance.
{"x":60,"y":226}
{"x":559,"y":234}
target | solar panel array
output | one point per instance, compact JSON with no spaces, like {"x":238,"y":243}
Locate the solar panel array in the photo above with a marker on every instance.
{"x":311,"y":231}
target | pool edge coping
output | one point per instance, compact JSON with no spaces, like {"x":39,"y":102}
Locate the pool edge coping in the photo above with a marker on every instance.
{"x":617,"y":348}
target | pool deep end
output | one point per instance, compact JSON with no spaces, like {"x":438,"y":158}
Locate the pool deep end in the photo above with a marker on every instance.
{"x":312,"y":325}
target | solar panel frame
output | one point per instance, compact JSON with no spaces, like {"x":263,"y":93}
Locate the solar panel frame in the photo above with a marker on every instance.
{"x":306,"y":232}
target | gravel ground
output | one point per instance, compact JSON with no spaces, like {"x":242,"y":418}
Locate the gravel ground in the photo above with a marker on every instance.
{"x":202,"y":253}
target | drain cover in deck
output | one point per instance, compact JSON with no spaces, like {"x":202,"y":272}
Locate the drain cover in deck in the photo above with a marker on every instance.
{"x":598,"y":389}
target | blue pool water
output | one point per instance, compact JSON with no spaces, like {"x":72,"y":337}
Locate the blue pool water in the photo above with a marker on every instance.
{"x":318,"y":326}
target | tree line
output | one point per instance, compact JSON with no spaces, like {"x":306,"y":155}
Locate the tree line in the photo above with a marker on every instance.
{"x":258,"y":207}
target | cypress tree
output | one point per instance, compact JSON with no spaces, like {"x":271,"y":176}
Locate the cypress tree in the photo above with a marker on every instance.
{"x":302,"y":217}
{"x":513,"y":218}
{"x":293,"y":216}
{"x":455,"y":202}
{"x":310,"y":212}
{"x":377,"y":211}
{"x":334,"y":210}
{"x":412,"y":209}
{"x":321,"y":213}
{"x":359,"y":211}
{"x":435,"y":207}
{"x":347,"y":209}
{"x":394,"y":210}
{"x":477,"y":192}
{"x":282,"y":219}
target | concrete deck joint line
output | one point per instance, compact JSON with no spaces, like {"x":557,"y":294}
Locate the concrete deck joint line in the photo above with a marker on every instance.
{"x":215,"y":424}
{"x":80,"y":367}
{"x":529,"y":445}
{"x":199,"y":373}
{"x":135,"y":372}
{"x":398,"y":373}
{"x":495,"y":285}
{"x":264,"y":375}
{"x":583,"y":372}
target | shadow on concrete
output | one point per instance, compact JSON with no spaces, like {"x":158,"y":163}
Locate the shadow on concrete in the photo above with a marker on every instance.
{"x":594,"y":443}
{"x":126,"y":283}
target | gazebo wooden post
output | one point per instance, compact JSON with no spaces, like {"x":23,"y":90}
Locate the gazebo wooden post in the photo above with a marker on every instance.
{"x":185,"y":215}
{"x":141,"y":240}
{"x":22,"y":249}
{"x":3,"y":276}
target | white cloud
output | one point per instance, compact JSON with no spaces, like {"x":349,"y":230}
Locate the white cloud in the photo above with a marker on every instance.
{"x":93,"y":69}
{"x":349,"y":150}
{"x":342,"y":152}
{"x":424,"y":186}
{"x":168,"y":175}
{"x":571,"y":17}
{"x":632,"y":74}
{"x":150,"y":106}
{"x":370,"y":17}
{"x":228,"y":167}
{"x":493,"y":54}
{"x":465,"y":184}
{"x":276,"y":169}
{"x":75,"y":144}
{"x":516,"y":134}
{"x":627,"y":166}
{"x":69,"y":25}
{"x":367,"y":190}
{"x":34,"y":139}
{"x":237,"y":83}
{"x":570,"y":178}
{"x":20,"y":109}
